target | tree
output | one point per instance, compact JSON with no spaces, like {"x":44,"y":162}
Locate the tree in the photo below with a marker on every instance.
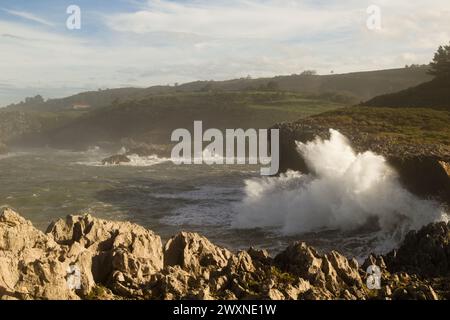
{"x":273,"y":86}
{"x":309,"y":73}
{"x":440,"y":66}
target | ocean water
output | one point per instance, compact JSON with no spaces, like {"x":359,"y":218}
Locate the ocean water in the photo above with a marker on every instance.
{"x":351,"y":202}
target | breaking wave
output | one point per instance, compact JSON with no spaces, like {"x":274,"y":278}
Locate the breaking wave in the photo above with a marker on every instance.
{"x":344,"y":191}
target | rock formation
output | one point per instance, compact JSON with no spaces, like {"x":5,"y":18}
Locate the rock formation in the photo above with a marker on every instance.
{"x":116,"y":159}
{"x":83,"y":257}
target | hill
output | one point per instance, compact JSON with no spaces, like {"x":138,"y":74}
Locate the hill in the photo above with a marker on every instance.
{"x":82,"y":101}
{"x":358,"y":86}
{"x":433,"y":94}
{"x":352,"y":87}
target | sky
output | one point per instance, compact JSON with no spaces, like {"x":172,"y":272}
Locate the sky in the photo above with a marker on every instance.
{"x":140,"y":43}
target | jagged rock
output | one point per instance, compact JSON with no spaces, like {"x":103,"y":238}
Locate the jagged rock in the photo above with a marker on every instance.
{"x":114,"y":260}
{"x":30,"y":262}
{"x":425,"y":252}
{"x":193,"y":252}
{"x":116,"y":159}
{"x":302,"y":260}
{"x":242,"y":262}
{"x":446,"y":167}
{"x":275,"y":294}
{"x":347,"y":270}
{"x":261,"y":256}
{"x":172,"y":283}
{"x":316,"y":293}
{"x":415,"y":292}
{"x":332,"y":272}
{"x":115,"y":246}
{"x":374,"y":260}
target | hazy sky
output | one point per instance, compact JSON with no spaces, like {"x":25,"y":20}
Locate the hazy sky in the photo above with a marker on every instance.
{"x":143,"y":43}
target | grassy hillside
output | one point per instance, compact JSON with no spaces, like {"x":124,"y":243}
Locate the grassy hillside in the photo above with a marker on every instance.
{"x":15,"y":124}
{"x":433,"y":94}
{"x":419,"y":126}
{"x":153,"y":119}
{"x":93,"y":99}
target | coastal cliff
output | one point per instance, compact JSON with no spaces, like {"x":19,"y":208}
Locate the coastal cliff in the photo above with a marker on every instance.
{"x":415,"y":142}
{"x":82,"y":257}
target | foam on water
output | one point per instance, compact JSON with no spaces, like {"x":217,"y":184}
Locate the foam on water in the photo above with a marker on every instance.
{"x":344,"y":191}
{"x":135,"y":161}
{"x":12,"y":155}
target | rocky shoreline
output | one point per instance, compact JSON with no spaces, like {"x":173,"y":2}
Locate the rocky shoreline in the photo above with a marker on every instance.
{"x":83,"y":257}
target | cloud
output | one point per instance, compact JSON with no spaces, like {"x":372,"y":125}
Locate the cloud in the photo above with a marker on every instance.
{"x":161,"y":42}
{"x":235,"y":19}
{"x":29,"y":16}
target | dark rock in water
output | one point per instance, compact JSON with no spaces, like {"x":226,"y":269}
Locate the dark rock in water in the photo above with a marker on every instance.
{"x":83,"y":257}
{"x":425,"y":252}
{"x":426,"y":176}
{"x":116,"y":159}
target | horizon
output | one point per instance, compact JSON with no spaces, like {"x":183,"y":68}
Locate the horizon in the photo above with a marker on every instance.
{"x":147,"y":43}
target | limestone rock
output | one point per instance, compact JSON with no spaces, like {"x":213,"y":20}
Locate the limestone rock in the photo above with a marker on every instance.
{"x":30,"y":263}
{"x":115,"y":246}
{"x":193,"y":252}
{"x":88,"y":258}
{"x":333,"y":272}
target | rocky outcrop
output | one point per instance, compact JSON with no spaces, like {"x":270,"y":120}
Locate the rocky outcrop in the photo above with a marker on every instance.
{"x":336,"y":276}
{"x":138,"y":149}
{"x":33,"y":265}
{"x":82,"y":257}
{"x":425,"y":252}
{"x":116,"y":159}
{"x":82,"y":249}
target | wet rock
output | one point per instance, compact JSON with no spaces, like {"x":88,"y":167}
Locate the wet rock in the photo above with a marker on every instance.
{"x":425,"y":252}
{"x":116,"y":159}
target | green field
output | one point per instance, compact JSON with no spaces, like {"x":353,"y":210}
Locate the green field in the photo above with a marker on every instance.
{"x":405,"y":125}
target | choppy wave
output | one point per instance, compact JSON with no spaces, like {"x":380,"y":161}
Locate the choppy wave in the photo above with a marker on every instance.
{"x":345,"y":191}
{"x":12,"y":155}
{"x":206,"y":205}
{"x":135,"y":161}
